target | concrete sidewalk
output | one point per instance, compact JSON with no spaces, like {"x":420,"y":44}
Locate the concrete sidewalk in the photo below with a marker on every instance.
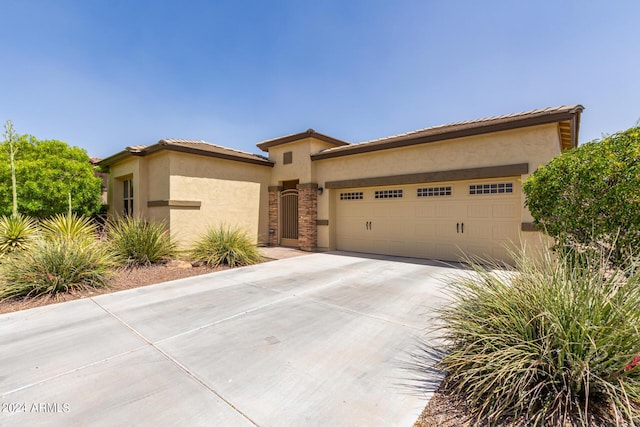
{"x":281,"y":252}
{"x":319,"y":339}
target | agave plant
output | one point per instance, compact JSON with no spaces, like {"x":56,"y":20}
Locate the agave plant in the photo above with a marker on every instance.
{"x":16,"y":232}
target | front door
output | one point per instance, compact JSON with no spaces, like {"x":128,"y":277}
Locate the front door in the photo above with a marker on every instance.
{"x":289,"y":217}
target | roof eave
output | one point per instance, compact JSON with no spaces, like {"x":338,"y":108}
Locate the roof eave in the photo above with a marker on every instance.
{"x":190,"y":150}
{"x":481,"y":128}
{"x":575,"y":128}
{"x":163,"y":145}
{"x":309,"y":133}
{"x":108,"y":161}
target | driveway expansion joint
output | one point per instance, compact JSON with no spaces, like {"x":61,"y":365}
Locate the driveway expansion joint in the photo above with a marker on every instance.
{"x":71,"y":371}
{"x":179,"y":365}
{"x":305,"y":294}
{"x":219,"y":321}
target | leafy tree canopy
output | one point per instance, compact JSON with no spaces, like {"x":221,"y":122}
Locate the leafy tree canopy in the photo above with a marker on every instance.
{"x":591,"y":194}
{"x":47,"y":172}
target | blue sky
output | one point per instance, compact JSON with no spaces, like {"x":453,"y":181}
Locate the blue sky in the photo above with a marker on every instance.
{"x":106,"y":74}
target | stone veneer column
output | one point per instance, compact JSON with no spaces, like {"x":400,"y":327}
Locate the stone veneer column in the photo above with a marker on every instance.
{"x":307,"y":216}
{"x":274,"y":192}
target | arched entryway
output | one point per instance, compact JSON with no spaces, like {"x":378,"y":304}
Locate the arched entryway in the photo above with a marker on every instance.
{"x":293,"y":211}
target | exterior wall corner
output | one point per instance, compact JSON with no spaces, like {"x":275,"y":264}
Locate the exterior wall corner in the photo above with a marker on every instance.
{"x":274,"y":194}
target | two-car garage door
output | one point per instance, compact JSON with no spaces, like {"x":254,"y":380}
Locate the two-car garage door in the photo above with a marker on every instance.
{"x":435,"y":220}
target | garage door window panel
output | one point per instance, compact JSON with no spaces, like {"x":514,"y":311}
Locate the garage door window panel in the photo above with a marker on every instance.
{"x":354,"y":195}
{"x":494,"y":188}
{"x":389,"y":194}
{"x":434,"y":191}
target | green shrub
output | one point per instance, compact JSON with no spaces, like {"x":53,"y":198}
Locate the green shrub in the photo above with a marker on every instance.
{"x":223,"y":245}
{"x":591,"y":194}
{"x":48,"y":171}
{"x":55,"y":266}
{"x":554,"y":341}
{"x":16,"y":232}
{"x":72,"y":227}
{"x":137,"y":241}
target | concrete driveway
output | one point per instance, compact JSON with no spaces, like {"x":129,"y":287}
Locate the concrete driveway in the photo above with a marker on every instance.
{"x":320,"y":339}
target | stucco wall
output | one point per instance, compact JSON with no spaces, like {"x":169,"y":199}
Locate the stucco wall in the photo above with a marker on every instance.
{"x":535,"y":146}
{"x":126,"y":169}
{"x":150,"y":182}
{"x":236,"y":193}
{"x":229,"y":192}
{"x":157,"y":166}
{"x":301,"y":168}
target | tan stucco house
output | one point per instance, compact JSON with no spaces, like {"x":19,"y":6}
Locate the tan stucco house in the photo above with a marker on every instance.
{"x":429,"y":193}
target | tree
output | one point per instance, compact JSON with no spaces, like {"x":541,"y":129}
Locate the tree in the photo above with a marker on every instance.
{"x":10,"y":141}
{"x":52,"y":177}
{"x":591,"y":194}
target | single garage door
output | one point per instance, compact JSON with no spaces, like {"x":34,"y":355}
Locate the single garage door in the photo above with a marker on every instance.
{"x":436,"y":220}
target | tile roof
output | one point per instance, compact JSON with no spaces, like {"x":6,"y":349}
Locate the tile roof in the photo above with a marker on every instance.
{"x":265,"y":145}
{"x":460,"y":129}
{"x":189,"y":146}
{"x":484,"y":120}
{"x":210,"y":148}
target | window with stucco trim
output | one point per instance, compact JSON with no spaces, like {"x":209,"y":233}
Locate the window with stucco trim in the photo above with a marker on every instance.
{"x":287,"y":158}
{"x":128,"y":196}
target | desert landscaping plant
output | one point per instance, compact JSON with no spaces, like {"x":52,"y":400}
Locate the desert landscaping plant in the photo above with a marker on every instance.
{"x":551,"y":343}
{"x":590,"y":195}
{"x":55,"y":266}
{"x":16,"y":231}
{"x":223,"y":245}
{"x":10,"y":140}
{"x":137,"y":241}
{"x":69,"y":226}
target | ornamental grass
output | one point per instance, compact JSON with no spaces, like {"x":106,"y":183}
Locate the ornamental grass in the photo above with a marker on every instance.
{"x":137,"y":241}
{"x":53,"y":267}
{"x":223,"y":245}
{"x":554,"y":342}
